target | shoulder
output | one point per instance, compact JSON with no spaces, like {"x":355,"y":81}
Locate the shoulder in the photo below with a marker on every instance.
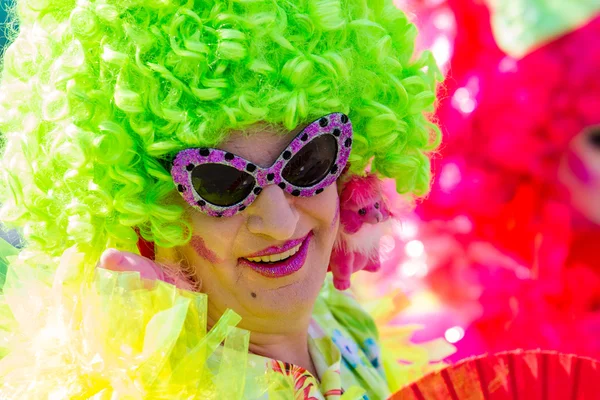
{"x":343,"y":307}
{"x":341,"y":318}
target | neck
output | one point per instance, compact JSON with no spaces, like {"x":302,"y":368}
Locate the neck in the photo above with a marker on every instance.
{"x":288,"y":348}
{"x":287,"y":345}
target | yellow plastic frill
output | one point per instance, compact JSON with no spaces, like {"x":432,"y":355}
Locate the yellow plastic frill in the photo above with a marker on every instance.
{"x":87,"y":333}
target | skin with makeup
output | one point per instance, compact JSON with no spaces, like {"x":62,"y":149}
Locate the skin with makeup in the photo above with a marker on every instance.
{"x":267,"y":259}
{"x":268,"y":263}
{"x":210,"y":137}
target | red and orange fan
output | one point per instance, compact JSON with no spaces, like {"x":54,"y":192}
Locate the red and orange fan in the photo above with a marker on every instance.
{"x":517,"y":375}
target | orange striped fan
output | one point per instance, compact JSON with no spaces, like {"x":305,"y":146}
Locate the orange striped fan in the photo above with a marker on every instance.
{"x":516,"y":375}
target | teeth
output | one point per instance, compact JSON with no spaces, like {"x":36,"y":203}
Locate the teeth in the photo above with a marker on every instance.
{"x":276,"y":257}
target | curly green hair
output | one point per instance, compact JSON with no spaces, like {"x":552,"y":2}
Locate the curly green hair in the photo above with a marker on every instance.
{"x":94,"y":94}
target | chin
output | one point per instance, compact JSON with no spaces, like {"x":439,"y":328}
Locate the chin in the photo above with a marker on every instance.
{"x":292,"y":294}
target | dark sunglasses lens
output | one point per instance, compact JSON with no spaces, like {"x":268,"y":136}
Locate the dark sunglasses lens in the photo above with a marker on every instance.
{"x":312,"y":163}
{"x":221,"y":185}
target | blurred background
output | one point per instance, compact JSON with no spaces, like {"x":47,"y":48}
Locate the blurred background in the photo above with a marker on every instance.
{"x":504,"y":252}
{"x":10,"y":236}
{"x":2,"y":21}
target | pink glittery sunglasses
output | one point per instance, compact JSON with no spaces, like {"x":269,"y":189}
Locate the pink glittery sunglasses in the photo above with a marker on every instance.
{"x":222,"y":184}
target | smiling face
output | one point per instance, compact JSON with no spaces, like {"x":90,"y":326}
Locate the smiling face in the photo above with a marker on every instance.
{"x":268,"y":262}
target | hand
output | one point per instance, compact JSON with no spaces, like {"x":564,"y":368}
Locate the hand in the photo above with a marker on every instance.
{"x":122,"y":261}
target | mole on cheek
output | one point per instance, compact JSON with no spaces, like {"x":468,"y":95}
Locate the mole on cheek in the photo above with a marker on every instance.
{"x":253,"y":294}
{"x":200,"y":248}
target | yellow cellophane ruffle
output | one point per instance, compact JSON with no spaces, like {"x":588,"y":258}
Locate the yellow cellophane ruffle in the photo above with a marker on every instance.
{"x":78,"y":332}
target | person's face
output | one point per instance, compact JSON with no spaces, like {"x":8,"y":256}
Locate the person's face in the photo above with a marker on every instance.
{"x":580,"y":173}
{"x":278,"y":295}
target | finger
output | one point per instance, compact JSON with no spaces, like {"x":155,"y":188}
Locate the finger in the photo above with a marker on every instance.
{"x":122,"y":261}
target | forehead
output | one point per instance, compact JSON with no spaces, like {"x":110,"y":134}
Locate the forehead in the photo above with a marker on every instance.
{"x":260,"y":144}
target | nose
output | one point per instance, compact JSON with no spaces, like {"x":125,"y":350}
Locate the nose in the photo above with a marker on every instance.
{"x":374,"y":216}
{"x":272,"y":214}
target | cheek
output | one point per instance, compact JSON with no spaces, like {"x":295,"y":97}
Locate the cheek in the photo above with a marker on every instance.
{"x":201,"y":249}
{"x":322,"y":212}
{"x":323,"y":208}
{"x":213,"y":238}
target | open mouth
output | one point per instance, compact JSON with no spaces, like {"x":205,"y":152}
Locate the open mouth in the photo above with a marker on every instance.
{"x":280,"y":264}
{"x":276,"y":257}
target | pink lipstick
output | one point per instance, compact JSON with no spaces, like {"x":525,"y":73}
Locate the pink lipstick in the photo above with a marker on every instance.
{"x":280,"y":268}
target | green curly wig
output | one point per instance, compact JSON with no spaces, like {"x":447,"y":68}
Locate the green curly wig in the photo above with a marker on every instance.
{"x":94,"y":94}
